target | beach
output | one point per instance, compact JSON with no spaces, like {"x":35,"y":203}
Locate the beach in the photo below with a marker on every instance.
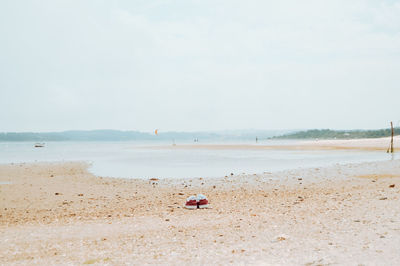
{"x":59,"y":213}
{"x":200,"y":133}
{"x":375,"y":144}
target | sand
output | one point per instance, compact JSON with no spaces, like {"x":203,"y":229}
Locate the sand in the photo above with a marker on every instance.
{"x":375,"y":144}
{"x":58,"y":213}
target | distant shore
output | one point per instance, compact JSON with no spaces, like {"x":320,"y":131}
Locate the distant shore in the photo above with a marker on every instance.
{"x":161,"y":135}
{"x":58,"y":213}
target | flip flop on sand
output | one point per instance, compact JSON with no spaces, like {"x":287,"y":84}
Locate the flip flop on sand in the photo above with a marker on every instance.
{"x":191,"y":203}
{"x":202,"y":202}
{"x":199,"y":202}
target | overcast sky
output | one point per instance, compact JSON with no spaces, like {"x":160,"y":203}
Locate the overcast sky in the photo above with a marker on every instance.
{"x":198,"y":65}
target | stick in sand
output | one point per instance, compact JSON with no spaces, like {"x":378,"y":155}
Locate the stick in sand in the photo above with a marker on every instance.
{"x":391,"y":140}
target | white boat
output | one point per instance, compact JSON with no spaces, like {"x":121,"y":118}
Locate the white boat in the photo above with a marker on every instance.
{"x":39,"y":145}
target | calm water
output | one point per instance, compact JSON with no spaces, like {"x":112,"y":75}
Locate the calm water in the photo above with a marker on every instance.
{"x":132,"y":160}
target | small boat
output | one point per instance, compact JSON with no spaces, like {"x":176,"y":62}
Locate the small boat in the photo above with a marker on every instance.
{"x":39,"y":145}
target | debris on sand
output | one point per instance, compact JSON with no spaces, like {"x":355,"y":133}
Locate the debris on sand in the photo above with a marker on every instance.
{"x":280,"y":238}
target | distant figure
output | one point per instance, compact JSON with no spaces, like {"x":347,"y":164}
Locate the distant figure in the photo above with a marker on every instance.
{"x":256,"y":139}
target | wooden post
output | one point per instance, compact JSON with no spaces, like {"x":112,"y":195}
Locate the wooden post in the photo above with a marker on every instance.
{"x":391,"y":140}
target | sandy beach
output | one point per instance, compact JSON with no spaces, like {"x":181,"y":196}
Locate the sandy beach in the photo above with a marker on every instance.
{"x":114,"y":114}
{"x":376,"y":144}
{"x":59,"y":213}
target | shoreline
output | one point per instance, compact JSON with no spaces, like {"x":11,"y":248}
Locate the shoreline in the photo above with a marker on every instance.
{"x":59,"y":213}
{"x":372,"y":144}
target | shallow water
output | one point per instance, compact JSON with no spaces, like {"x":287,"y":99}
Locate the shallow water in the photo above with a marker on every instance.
{"x":133,"y":160}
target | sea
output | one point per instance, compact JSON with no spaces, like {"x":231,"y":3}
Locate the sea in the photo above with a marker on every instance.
{"x":133,"y":159}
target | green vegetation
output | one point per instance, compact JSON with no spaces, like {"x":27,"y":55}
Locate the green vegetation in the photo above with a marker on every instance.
{"x":339,"y":134}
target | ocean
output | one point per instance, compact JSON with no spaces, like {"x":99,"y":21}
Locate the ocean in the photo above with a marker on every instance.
{"x":130,"y":159}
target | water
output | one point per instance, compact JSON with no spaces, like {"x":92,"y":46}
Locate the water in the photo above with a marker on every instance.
{"x":133,"y":160}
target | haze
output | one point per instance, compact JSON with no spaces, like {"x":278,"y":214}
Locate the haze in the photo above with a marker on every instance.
{"x":199,"y":65}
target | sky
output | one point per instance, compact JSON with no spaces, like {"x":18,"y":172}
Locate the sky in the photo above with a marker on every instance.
{"x":199,"y":65}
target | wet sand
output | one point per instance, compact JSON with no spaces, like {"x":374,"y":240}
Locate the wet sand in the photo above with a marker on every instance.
{"x":58,"y":213}
{"x":376,"y":144}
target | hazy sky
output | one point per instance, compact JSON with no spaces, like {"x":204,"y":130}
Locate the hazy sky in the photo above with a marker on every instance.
{"x":198,"y":65}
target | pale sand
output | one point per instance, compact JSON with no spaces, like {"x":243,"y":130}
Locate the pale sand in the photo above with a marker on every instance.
{"x":299,"y":217}
{"x":374,"y":144}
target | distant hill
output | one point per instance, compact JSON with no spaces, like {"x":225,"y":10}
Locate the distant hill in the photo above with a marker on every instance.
{"x":117,"y":135}
{"x":93,"y":135}
{"x":338,"y":134}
